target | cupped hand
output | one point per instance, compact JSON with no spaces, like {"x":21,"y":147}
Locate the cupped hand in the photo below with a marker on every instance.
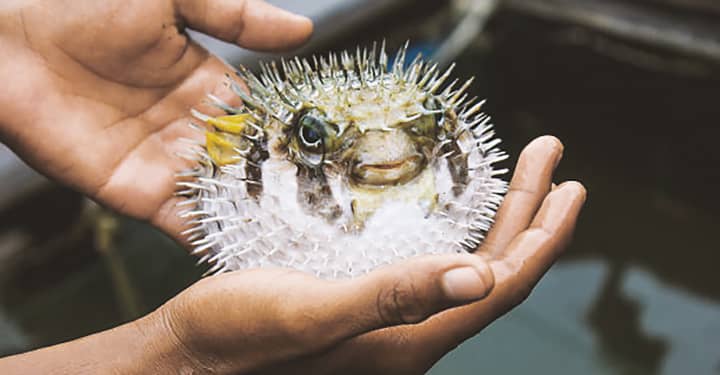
{"x":96,"y":94}
{"x":249,"y":321}
{"x":533,"y":226}
{"x":401,"y":319}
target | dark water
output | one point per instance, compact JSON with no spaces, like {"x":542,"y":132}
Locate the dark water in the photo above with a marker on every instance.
{"x":639,"y":290}
{"x":637,"y":293}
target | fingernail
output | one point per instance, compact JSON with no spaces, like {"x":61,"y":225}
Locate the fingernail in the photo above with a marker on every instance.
{"x":466,"y":283}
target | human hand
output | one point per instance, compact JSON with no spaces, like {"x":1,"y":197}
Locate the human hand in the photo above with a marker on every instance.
{"x":533,"y":227}
{"x":250,"y":321}
{"x":399,"y":319}
{"x":277,"y":322}
{"x":96,"y":93}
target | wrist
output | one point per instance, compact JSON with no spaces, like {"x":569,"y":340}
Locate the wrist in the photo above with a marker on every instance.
{"x":167,"y":346}
{"x":140,"y":347}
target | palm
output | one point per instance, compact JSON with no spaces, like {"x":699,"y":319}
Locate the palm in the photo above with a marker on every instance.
{"x":103,"y":104}
{"x":533,"y":227}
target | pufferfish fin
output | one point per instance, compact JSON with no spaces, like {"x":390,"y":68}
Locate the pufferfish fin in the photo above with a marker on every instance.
{"x":233,"y":124}
{"x":221,"y":148}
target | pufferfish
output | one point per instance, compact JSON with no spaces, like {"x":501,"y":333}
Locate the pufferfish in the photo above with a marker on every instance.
{"x":336,"y":165}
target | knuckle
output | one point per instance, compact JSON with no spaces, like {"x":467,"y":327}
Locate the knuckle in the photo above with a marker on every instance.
{"x":401,"y":303}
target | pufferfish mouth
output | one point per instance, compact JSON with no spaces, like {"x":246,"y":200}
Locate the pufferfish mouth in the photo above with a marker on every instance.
{"x":392,"y":172}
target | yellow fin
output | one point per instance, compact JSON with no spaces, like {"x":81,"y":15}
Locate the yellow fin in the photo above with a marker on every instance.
{"x":233,"y":124}
{"x":221,"y":148}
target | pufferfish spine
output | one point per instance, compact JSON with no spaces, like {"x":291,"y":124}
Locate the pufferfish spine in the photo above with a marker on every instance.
{"x":340,"y":164}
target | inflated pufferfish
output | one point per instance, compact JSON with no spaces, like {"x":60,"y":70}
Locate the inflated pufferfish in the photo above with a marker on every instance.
{"x":338,"y":165}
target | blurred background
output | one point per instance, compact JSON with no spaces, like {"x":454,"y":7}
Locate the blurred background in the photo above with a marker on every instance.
{"x":630,"y":86}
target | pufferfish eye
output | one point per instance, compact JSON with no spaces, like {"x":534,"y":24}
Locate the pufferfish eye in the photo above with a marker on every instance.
{"x":310,"y":135}
{"x":428,"y":124}
{"x":432,"y":104}
{"x":315,"y":135}
{"x":312,"y":132}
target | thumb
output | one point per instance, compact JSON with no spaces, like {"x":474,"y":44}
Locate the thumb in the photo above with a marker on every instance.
{"x":405,"y":293}
{"x":252,"y":24}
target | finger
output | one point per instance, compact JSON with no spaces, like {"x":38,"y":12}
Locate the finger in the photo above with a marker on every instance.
{"x":404,"y":293}
{"x":252,"y":24}
{"x":530,"y":184}
{"x":396,"y":295}
{"x":528,"y":258}
{"x":399,"y":348}
{"x":520,"y":268}
{"x":532,"y":252}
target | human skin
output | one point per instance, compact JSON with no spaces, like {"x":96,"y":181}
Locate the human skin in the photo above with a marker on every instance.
{"x":96,"y":95}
